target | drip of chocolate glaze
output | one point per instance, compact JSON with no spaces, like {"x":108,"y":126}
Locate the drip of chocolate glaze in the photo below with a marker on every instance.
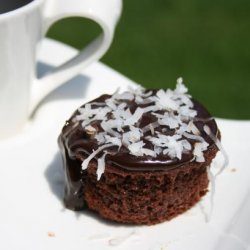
{"x":76,"y":145}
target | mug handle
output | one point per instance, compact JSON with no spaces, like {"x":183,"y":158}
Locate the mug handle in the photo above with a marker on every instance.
{"x":105,"y":13}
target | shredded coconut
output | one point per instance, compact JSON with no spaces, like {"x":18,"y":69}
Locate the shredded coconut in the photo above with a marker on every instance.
{"x":211,"y":176}
{"x":100,"y":166}
{"x":136,"y":148}
{"x":173,"y":131}
{"x":198,"y":151}
{"x":150,"y":126}
{"x":134,"y":135}
{"x":169,"y":119}
{"x":220,"y":147}
{"x":134,"y":118}
{"x":211,"y":179}
{"x":152,"y":129}
{"x":180,"y":87}
{"x":164,"y":100}
{"x":85,"y":163}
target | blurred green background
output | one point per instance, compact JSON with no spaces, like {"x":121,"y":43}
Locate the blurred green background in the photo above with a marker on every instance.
{"x":207,"y":42}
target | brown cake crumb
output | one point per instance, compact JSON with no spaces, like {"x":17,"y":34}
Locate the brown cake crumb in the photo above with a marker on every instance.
{"x":51,"y":234}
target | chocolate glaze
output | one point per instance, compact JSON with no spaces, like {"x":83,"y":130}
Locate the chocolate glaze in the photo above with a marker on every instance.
{"x":76,"y":144}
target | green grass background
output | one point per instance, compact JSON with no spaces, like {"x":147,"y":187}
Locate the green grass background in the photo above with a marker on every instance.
{"x":207,"y":42}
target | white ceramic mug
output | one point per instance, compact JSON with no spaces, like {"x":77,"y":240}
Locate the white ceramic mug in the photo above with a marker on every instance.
{"x":21,"y":30}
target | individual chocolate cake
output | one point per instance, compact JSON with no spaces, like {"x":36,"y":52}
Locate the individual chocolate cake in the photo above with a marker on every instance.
{"x":139,"y":157}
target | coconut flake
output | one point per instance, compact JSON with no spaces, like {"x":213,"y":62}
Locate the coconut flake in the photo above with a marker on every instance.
{"x":145,"y":95}
{"x":180,"y":87}
{"x":193,"y":137}
{"x":85,"y":163}
{"x":134,"y":118}
{"x":148,"y":152}
{"x":86,"y":112}
{"x":132,"y":136}
{"x":185,"y":99}
{"x":211,"y":179}
{"x":151,"y":108}
{"x":204,"y":120}
{"x":158,"y":150}
{"x":163,"y":140}
{"x":150,"y":126}
{"x":220,"y":147}
{"x":140,"y":91}
{"x":100,"y":137}
{"x":211,"y":176}
{"x":124,"y":96}
{"x":164,"y":100}
{"x":122,"y":114}
{"x":110,"y":103}
{"x":152,"y":130}
{"x":141,"y":100}
{"x":192,"y":128}
{"x":187,"y":111}
{"x":136,"y":148}
{"x":172,"y":145}
{"x":170,"y":120}
{"x":102,"y":113}
{"x":71,"y":128}
{"x":100,"y":166}
{"x":199,"y":147}
{"x":175,"y":148}
{"x":109,"y":124}
{"x":98,"y":103}
{"x":114,"y":140}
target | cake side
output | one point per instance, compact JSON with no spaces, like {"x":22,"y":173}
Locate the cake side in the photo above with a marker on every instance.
{"x":134,"y":197}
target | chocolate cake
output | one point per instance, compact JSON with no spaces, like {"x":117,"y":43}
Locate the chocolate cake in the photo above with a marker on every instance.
{"x":139,"y":157}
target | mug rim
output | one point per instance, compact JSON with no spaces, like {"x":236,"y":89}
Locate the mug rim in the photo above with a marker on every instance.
{"x":21,"y":10}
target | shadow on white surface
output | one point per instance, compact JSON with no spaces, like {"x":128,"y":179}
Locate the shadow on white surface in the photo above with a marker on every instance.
{"x":74,"y":88}
{"x":54,"y":176}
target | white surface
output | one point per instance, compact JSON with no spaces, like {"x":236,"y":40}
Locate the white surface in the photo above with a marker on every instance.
{"x":31,"y":185}
{"x":21,"y":32}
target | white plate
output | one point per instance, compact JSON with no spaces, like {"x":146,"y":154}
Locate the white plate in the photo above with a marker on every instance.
{"x":32,"y":215}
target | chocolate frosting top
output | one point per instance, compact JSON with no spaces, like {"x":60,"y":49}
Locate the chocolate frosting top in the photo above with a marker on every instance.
{"x":79,"y":144}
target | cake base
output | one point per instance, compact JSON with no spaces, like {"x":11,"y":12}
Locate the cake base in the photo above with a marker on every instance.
{"x":135,"y":197}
